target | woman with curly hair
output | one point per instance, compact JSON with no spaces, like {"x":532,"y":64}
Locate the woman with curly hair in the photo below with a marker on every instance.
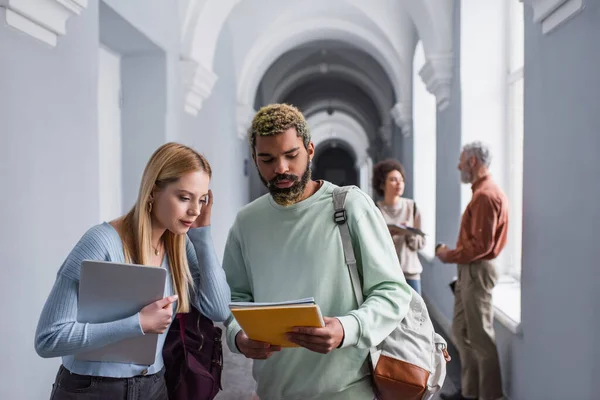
{"x":388,"y":182}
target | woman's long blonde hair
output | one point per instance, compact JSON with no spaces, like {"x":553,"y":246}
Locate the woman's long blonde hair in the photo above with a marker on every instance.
{"x":168,"y":163}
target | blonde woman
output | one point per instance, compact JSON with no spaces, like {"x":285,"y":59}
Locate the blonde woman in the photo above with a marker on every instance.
{"x":168,"y":227}
{"x":388,"y":182}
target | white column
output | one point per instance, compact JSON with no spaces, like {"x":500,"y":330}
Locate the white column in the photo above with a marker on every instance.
{"x":424,"y":153}
{"x":365,"y":168}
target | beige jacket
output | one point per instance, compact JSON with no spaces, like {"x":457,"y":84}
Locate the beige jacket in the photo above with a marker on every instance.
{"x":407,"y":246}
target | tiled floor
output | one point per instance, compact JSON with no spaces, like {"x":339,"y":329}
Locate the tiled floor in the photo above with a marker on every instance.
{"x":238,"y":383}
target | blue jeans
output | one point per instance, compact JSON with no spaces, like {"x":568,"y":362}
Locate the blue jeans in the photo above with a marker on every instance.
{"x":415,"y":284}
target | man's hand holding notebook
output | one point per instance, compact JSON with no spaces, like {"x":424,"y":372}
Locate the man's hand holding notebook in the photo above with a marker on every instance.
{"x":320,"y":340}
{"x":267,"y":327}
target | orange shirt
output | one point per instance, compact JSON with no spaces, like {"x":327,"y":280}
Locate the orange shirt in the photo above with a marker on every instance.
{"x":484,"y":225}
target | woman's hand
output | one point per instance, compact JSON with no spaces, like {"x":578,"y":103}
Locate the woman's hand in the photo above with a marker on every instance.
{"x":156,"y":317}
{"x":204,"y":217}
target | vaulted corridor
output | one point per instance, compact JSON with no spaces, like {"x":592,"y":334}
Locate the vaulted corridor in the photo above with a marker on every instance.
{"x":90,"y":88}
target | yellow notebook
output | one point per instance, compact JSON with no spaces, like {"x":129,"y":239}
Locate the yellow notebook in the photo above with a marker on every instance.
{"x":269,"y":322}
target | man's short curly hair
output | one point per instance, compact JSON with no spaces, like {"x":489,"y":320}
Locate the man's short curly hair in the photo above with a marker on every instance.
{"x":278,"y":118}
{"x":381,"y":171}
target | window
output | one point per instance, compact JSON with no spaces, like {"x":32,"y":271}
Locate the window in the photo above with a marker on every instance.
{"x":491,"y":68}
{"x":492,"y":59}
{"x":514,"y":81}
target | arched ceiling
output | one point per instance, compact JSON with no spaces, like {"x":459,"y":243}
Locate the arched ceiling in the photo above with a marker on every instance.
{"x":335,"y":144}
{"x":331,"y":76}
{"x":202,"y":20}
{"x":339,"y":128}
{"x":336,"y":61}
{"x":322,"y":94}
{"x":263,"y":30}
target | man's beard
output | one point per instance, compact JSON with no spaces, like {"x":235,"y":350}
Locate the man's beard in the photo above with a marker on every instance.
{"x":292,"y":194}
{"x":466,"y":176}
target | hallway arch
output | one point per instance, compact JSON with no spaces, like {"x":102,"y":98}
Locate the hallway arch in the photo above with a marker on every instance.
{"x":278,"y":41}
{"x":203,"y":22}
{"x":360,"y":79}
{"x":341,"y":127}
{"x":335,"y":162}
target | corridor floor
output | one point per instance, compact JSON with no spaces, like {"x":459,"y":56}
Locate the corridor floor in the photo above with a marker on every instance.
{"x":238,"y":383}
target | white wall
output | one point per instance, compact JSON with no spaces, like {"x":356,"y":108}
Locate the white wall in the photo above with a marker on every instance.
{"x":109,"y":134}
{"x":151,"y":92}
{"x":560,"y":252}
{"x":50,"y":183}
{"x":50,"y":153}
{"x":214,"y":133}
{"x":153,"y":111}
{"x":145,"y":110}
{"x":158,"y":21}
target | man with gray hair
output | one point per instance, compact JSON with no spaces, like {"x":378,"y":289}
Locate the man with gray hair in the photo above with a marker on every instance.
{"x":482,"y":237}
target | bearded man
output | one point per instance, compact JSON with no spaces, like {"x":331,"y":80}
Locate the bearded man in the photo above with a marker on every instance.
{"x":286,"y":245}
{"x":482,"y":237}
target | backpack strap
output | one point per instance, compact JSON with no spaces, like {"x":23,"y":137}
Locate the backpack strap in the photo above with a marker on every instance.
{"x":340,"y":217}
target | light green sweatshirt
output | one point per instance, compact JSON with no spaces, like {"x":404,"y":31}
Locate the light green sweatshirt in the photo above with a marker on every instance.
{"x":276,"y":253}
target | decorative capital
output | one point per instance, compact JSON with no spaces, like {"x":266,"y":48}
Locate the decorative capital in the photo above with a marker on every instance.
{"x":245,"y":114}
{"x":552,"y":13}
{"x":437,"y":76}
{"x":44,"y":20}
{"x":198,"y":83}
{"x":364,"y":160}
{"x":402,"y":115}
{"x":385,"y":132}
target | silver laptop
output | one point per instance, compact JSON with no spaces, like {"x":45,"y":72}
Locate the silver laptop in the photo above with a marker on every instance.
{"x":113,"y":291}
